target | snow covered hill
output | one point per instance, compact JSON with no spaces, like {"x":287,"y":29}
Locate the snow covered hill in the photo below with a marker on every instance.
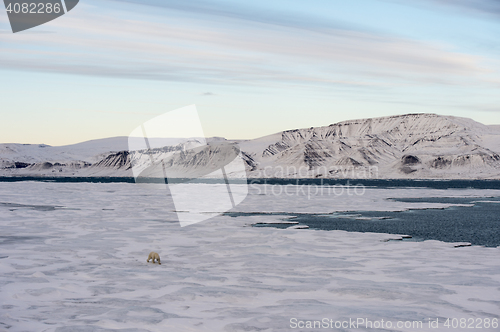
{"x":405,"y":146}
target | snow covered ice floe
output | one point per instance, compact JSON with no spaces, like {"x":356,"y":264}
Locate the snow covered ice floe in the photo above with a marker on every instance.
{"x":298,"y":227}
{"x":81,"y":266}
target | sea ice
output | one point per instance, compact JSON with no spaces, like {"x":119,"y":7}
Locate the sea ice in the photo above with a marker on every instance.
{"x":81,"y":265}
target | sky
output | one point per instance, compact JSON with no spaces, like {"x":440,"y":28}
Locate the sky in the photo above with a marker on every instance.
{"x":252,"y":68}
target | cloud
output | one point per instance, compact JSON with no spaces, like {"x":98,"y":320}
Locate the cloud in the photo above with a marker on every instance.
{"x":206,"y":49}
{"x":484,"y":8}
{"x":244,"y":11}
{"x":488,"y":7}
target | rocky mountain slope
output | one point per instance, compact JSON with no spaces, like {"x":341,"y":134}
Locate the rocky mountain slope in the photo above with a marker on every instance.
{"x":406,"y":146}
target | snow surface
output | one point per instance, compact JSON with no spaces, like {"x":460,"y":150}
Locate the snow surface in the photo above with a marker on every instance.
{"x":73,"y":258}
{"x":85,"y":151}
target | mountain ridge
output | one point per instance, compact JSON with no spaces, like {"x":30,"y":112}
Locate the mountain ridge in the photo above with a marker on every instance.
{"x":418,"y":145}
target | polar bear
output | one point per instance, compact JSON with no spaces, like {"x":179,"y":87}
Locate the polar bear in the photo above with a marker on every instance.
{"x":154,"y":256}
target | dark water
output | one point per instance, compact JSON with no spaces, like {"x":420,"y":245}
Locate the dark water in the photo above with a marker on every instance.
{"x":67,"y":179}
{"x":377,"y":183}
{"x":478,"y":224}
{"x":434,"y":184}
{"x":61,"y":179}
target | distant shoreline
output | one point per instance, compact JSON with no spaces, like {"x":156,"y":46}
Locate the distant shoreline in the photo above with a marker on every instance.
{"x":385,"y":183}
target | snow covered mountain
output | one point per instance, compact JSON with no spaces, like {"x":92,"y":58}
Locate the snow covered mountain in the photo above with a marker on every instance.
{"x":406,"y":146}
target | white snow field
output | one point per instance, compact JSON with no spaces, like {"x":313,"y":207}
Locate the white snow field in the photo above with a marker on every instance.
{"x":73,"y":258}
